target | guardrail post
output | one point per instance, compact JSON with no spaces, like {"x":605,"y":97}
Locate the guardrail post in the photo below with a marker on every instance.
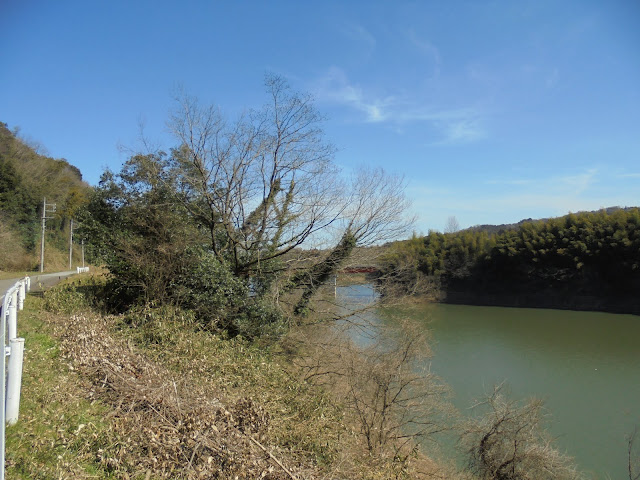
{"x":12,"y":318}
{"x":14,"y":380}
{"x":11,"y":378}
{"x":3,"y":327}
{"x":22,"y":292}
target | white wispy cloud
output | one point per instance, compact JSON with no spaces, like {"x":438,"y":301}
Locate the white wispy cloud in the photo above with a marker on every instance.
{"x":335,"y":87}
{"x":574,"y":184}
{"x":427,"y":48}
{"x":577,"y":183}
{"x":509,"y":200}
{"x":462,"y":130}
{"x":453,"y":125}
{"x":553,"y":78}
{"x":360,"y":34}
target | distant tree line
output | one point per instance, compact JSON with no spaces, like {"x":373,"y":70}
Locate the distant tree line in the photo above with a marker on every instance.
{"x":590,"y":253}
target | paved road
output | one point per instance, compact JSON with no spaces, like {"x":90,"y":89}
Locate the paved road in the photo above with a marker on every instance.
{"x":38,"y":282}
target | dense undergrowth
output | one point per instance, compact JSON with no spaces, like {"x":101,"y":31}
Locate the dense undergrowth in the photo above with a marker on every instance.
{"x":151,"y":394}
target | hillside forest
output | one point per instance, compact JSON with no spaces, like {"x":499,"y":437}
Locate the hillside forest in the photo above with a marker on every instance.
{"x":587,"y":260}
{"x":27,"y":176}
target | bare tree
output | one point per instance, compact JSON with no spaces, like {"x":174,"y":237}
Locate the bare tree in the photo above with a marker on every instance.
{"x":397,"y":402}
{"x":452,"y":225}
{"x":507,"y":442}
{"x":261,"y":185}
{"x":376,"y":207}
{"x":266,"y":184}
{"x":373,"y":211}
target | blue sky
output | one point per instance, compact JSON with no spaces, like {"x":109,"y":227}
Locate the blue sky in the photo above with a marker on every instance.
{"x":493,"y":111}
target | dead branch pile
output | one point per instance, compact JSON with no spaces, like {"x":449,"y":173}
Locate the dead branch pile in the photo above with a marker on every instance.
{"x":163,"y":426}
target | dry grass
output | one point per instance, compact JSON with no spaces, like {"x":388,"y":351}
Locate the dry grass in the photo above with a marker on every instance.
{"x":107,"y":399}
{"x":13,"y":257}
{"x":58,"y":428}
{"x":165,"y":424}
{"x":150,"y":396}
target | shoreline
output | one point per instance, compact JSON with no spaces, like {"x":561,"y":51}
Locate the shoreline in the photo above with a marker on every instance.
{"x":542,"y":300}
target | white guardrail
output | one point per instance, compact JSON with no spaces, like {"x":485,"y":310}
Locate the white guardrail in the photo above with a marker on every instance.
{"x":11,"y":377}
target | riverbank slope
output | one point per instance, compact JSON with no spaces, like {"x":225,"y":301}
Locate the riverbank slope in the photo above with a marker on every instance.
{"x":151,"y":395}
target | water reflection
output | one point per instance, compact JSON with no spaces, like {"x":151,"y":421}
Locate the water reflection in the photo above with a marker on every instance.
{"x":585,"y":365}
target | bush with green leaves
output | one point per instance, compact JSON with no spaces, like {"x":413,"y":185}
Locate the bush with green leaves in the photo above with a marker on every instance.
{"x":64,"y":299}
{"x":223,"y":301}
{"x":80,"y":294}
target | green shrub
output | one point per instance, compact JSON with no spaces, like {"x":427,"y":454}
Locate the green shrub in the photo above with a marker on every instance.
{"x":65,"y":299}
{"x":79,"y":294}
{"x":161,"y":325}
{"x":223,"y":301}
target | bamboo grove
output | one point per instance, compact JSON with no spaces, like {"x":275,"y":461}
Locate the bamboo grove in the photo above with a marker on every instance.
{"x":585,"y":254}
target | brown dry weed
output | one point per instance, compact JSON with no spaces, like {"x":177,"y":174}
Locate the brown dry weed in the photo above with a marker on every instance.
{"x":165,"y":425}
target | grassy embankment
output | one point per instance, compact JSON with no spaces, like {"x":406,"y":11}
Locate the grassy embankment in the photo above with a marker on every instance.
{"x":9,"y":275}
{"x":16,"y":263}
{"x":148,"y":395}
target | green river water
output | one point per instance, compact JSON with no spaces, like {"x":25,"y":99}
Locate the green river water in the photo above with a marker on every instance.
{"x":585,"y":365}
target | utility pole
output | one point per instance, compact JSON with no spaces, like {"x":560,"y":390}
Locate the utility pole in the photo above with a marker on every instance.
{"x":70,"y":243}
{"x":82,"y":252}
{"x":51,"y":209}
{"x":44,"y":216}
